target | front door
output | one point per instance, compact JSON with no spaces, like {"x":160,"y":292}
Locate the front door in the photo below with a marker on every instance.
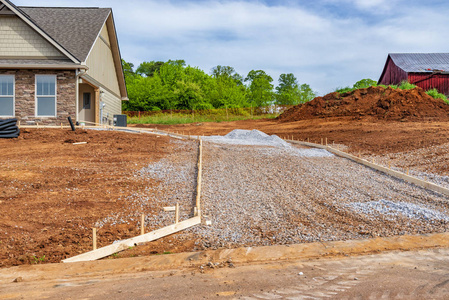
{"x":86,"y":104}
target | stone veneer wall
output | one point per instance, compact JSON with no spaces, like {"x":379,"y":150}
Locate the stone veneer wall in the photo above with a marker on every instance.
{"x":25,"y":109}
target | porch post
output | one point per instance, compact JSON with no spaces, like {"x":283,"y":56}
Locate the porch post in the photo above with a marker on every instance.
{"x":97,"y":106}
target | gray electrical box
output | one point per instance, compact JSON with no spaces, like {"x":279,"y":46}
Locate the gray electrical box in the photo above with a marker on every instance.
{"x":120,"y":120}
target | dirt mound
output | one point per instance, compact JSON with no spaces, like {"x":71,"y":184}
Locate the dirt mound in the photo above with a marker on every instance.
{"x":377,"y":102}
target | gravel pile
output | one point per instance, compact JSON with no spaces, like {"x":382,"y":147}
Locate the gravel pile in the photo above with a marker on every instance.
{"x":258,"y":138}
{"x":248,"y":137}
{"x":171,"y":180}
{"x":257,"y":195}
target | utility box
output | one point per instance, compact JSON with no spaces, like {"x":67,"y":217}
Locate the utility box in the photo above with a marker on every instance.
{"x":120,"y":120}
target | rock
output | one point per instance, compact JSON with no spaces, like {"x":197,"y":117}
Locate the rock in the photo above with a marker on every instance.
{"x":18,"y":279}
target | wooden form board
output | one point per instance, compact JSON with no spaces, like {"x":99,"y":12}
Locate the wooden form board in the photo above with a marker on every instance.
{"x":125,"y":244}
{"x":128,"y":129}
{"x":400,"y":175}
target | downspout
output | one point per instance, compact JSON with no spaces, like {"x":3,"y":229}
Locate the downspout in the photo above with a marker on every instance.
{"x":79,"y":73}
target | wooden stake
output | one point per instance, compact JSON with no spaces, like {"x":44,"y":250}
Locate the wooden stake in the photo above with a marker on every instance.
{"x":142,"y":224}
{"x":198,"y":186}
{"x":94,"y":238}
{"x":61,"y":125}
{"x":308,"y":140}
{"x":389,"y":165}
{"x":177,"y":214}
{"x":326,"y":141}
{"x":321,"y":141}
{"x":360,"y":153}
{"x":408,"y":170}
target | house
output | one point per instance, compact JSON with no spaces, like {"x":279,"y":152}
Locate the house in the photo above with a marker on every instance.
{"x":426,"y":70}
{"x":57,"y":62}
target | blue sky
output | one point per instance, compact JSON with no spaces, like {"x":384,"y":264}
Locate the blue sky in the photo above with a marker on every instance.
{"x":325,"y":43}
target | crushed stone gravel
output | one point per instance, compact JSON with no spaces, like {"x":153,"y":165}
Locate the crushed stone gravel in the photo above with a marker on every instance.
{"x":264,"y":195}
{"x":260,"y":190}
{"x":427,"y":163}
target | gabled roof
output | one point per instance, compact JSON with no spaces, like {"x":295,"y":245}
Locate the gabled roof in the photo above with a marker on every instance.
{"x":72,"y":30}
{"x":11,"y":8}
{"x":76,"y":29}
{"x":421,"y":62}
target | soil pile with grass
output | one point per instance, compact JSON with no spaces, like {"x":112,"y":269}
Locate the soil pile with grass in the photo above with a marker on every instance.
{"x":377,"y":102}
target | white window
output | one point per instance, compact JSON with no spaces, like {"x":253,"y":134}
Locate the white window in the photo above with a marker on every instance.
{"x":46,"y":95}
{"x":6,"y":95}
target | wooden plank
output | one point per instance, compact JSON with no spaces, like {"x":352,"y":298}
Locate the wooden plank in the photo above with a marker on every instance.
{"x":125,"y":244}
{"x":397,"y":174}
{"x":169,"y":208}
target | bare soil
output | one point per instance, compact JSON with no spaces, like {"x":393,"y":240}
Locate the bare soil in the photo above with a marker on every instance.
{"x":52,"y":192}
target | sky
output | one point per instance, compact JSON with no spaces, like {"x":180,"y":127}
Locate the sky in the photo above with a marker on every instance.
{"x":324,"y":43}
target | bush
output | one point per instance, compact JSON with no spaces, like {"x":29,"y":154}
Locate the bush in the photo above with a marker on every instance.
{"x":344,"y":90}
{"x":364,"y":83}
{"x":405,"y":85}
{"x":436,"y":95}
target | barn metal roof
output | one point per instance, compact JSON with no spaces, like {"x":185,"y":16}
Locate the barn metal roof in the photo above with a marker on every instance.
{"x":421,"y":62}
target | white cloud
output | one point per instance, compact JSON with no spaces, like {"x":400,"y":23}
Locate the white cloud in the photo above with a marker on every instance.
{"x":326,"y":49}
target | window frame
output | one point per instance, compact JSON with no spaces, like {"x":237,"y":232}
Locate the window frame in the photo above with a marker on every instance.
{"x":9,"y":96}
{"x":36,"y":96}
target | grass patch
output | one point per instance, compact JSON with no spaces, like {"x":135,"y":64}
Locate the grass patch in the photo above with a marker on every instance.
{"x":171,"y":117}
{"x":168,"y":119}
{"x":436,"y":95}
{"x":405,"y":85}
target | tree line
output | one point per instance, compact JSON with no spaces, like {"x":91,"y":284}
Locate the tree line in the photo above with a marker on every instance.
{"x":158,"y":85}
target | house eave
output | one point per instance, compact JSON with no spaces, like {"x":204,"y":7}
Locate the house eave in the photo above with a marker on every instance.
{"x":43,"y":66}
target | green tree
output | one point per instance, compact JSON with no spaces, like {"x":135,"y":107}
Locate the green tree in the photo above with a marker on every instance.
{"x":127,"y":69}
{"x":306,"y":93}
{"x":287,"y":91}
{"x":148,"y":69}
{"x":228,"y":90}
{"x":260,"y":90}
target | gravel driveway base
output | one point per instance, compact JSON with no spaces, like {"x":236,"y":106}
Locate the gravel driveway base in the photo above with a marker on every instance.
{"x":262,"y":195}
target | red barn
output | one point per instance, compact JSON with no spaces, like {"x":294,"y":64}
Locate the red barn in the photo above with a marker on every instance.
{"x":426,"y":70}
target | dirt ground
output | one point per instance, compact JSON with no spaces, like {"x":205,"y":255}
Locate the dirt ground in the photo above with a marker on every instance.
{"x":304,"y":271}
{"x":52,"y":192}
{"x":367,"y":136}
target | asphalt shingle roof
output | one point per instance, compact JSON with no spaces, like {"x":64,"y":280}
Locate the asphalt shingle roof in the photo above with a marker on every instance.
{"x":421,"y":62}
{"x":75,"y":29}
